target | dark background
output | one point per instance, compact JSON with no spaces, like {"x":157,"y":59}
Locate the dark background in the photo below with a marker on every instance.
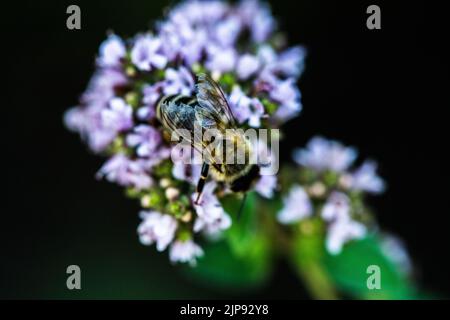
{"x":384,"y":91}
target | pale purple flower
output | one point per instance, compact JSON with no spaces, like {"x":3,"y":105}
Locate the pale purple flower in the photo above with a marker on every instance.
{"x":178,"y":81}
{"x":262,"y":25}
{"x":151,"y":95}
{"x":341,"y":226}
{"x":181,"y":40}
{"x":87,"y":121}
{"x":146,"y":53}
{"x":112,"y":51}
{"x":187,"y":163}
{"x":186,"y":172}
{"x":213,"y":228}
{"x":245,"y":108}
{"x":211,"y":217}
{"x":100,"y":139}
{"x":366,"y":179}
{"x":87,"y":118}
{"x":170,"y":39}
{"x":74,"y":119}
{"x":146,"y":138}
{"x":258,"y":18}
{"x":321,"y":154}
{"x":247,"y":66}
{"x":284,"y":92}
{"x":266,"y":185}
{"x":192,"y":49}
{"x":296,"y":206}
{"x":267,"y":158}
{"x":267,"y":55}
{"x":199,"y":12}
{"x":188,"y":29}
{"x":154,"y":158}
{"x":101,"y":87}
{"x":337,"y":208}
{"x":185,"y":251}
{"x":126,"y":172}
{"x":290,"y":62}
{"x":341,"y":232}
{"x":220,"y":59}
{"x":227,"y":31}
{"x":288,"y":96}
{"x":395,"y":249}
{"x":118,"y":116}
{"x":157,"y":228}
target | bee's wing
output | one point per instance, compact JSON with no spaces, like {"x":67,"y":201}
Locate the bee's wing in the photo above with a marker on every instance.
{"x":212,"y":99}
{"x":182,"y":119}
{"x":178,"y":118}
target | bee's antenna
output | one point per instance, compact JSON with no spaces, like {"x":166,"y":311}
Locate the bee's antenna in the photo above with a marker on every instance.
{"x":242,"y":206}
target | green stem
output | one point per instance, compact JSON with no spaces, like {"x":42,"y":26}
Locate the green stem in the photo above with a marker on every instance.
{"x":316,"y":280}
{"x":304,"y":247}
{"x":307,"y":258}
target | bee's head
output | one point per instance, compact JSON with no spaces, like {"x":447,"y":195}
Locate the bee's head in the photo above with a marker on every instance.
{"x":243,"y":183}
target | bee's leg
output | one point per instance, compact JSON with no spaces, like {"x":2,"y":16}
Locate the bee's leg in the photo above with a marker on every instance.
{"x":217,"y":167}
{"x":201,"y":181}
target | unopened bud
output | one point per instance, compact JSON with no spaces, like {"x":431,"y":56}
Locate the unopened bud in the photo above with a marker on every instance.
{"x":345,"y":181}
{"x":215,"y":75}
{"x":172,"y":193}
{"x":164,"y":183}
{"x":318,"y":189}
{"x":145,"y":201}
{"x":186,"y":217}
{"x":151,"y":200}
{"x":132,"y":98}
{"x":130,"y":71}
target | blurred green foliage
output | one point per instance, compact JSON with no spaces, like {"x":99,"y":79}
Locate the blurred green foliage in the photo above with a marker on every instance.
{"x":348,"y":271}
{"x":243,"y":258}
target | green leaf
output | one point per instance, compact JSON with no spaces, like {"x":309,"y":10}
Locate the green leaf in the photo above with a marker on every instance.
{"x":220,"y":268}
{"x":242,"y":233}
{"x":243,"y":259}
{"x":349,"y":271}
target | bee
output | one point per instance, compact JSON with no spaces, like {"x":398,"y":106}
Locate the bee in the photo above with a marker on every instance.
{"x":209,"y":110}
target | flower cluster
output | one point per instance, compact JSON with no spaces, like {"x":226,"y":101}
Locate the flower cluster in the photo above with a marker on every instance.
{"x":328,"y":188}
{"x":240,"y":47}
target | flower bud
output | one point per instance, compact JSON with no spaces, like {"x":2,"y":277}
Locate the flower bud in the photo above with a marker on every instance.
{"x":345,"y":181}
{"x":172,"y":193}
{"x":318,"y":189}
{"x":130,"y":71}
{"x":176,"y":208}
{"x":196,"y":67}
{"x":132,"y":193}
{"x":330,"y":178}
{"x":164,"y":183}
{"x":187,"y":217}
{"x":132,"y":98}
{"x":152,"y":199}
{"x":145,"y":201}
